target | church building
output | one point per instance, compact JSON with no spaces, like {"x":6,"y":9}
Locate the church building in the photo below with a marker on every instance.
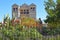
{"x":24,"y":11}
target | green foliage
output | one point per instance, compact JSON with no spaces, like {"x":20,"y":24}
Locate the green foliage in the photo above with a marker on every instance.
{"x":58,"y":1}
{"x":53,"y":10}
{"x":18,"y":32}
{"x":13,"y":32}
{"x":50,"y":7}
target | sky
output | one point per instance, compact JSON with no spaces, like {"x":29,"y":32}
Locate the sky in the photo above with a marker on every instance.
{"x":6,"y":7}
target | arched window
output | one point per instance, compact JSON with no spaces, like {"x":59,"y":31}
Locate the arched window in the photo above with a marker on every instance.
{"x":33,"y":8}
{"x":21,"y":11}
{"x":27,"y":11}
{"x":13,"y":9}
{"x":24,"y":11}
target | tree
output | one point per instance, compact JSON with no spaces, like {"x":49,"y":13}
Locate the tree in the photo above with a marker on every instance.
{"x":15,"y":33}
{"x":53,"y":10}
{"x":6,"y":21}
{"x":28,"y":22}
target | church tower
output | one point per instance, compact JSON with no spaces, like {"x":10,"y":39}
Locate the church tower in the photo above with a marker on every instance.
{"x":32,"y":11}
{"x":15,"y":11}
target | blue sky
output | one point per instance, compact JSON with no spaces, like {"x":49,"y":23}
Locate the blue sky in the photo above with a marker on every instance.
{"x":6,"y":7}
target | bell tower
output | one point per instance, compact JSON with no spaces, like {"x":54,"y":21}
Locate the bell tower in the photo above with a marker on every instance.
{"x":15,"y":11}
{"x":32,"y":9}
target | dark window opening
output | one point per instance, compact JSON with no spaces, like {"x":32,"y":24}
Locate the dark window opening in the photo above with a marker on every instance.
{"x":27,"y":12}
{"x":13,"y":9}
{"x":21,"y":12}
{"x":31,"y":7}
{"x":24,"y":11}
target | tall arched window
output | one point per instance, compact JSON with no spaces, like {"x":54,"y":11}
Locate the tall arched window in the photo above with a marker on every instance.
{"x":21,"y":11}
{"x":24,"y":11}
{"x":27,"y":11}
{"x":13,"y":9}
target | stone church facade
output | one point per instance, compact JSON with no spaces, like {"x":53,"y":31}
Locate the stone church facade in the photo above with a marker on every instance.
{"x":24,"y":11}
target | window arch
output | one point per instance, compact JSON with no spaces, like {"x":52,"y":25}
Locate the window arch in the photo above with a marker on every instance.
{"x":21,"y":11}
{"x":33,"y":8}
{"x":26,"y":11}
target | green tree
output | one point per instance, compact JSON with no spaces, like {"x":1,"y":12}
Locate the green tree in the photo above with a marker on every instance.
{"x":53,"y":10}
